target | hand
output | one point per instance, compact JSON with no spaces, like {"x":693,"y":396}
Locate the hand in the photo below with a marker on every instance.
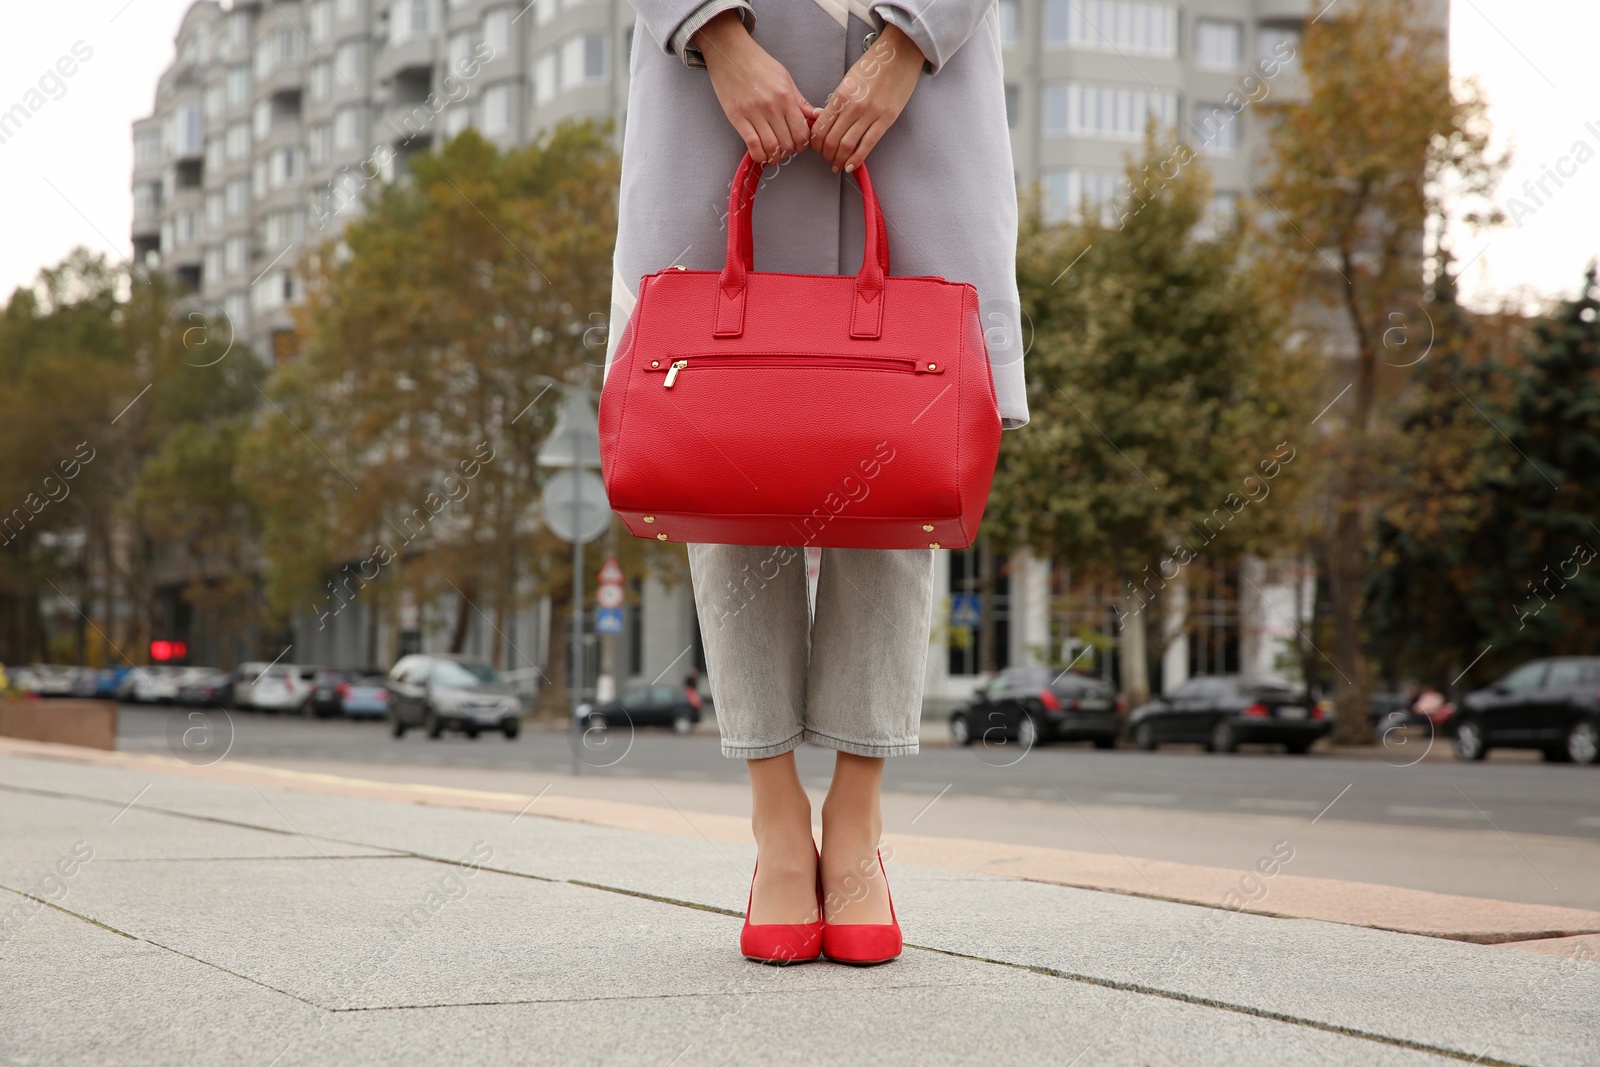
{"x":868,"y":101}
{"x":756,"y":91}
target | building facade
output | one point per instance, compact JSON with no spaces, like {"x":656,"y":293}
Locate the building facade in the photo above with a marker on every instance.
{"x":275,"y":115}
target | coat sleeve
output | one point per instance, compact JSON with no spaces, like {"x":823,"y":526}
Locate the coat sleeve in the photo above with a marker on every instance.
{"x":671,"y":23}
{"x":938,"y":27}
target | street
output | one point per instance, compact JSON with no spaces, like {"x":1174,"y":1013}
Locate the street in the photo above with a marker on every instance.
{"x":1511,"y":828}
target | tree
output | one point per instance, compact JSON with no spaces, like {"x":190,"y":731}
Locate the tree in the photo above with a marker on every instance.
{"x":1160,"y":390}
{"x":399,"y":450}
{"x":1360,"y":165}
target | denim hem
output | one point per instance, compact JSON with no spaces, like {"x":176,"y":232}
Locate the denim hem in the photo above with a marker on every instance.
{"x":862,"y":748}
{"x":738,"y":751}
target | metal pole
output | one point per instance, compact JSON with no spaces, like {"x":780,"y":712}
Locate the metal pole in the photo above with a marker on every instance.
{"x":577,"y":579}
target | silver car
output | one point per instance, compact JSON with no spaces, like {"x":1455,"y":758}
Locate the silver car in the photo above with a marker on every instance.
{"x":439,"y":693}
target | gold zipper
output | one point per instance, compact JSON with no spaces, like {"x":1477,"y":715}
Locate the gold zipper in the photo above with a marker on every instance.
{"x":672,"y":372}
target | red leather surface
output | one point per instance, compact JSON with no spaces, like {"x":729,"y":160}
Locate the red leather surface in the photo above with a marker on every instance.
{"x":824,"y":410}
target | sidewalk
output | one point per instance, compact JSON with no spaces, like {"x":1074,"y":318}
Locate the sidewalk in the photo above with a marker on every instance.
{"x":155,"y":912}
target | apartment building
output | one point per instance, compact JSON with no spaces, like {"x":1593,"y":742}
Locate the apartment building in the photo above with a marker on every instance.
{"x":274,"y":115}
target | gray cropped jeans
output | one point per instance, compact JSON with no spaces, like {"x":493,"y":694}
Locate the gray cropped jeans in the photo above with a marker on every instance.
{"x":848,"y":675}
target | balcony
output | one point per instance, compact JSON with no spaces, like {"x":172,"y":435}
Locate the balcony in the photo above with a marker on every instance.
{"x":410,"y":58}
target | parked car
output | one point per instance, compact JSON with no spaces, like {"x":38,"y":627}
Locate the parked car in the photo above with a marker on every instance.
{"x":1549,"y":704}
{"x":154,"y":685}
{"x":1033,"y":705}
{"x":50,"y":680}
{"x":438,"y":693}
{"x":327,"y":697}
{"x":244,"y":679}
{"x":207,"y":688}
{"x":645,"y":705}
{"x":1224,"y":711}
{"x":283,"y":687}
{"x":364,"y":695}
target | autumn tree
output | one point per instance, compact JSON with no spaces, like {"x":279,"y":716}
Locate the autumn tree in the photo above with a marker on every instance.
{"x":1361,"y":162}
{"x":1162,"y":397}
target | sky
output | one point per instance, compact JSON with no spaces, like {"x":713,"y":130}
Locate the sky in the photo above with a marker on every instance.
{"x":64,"y":176}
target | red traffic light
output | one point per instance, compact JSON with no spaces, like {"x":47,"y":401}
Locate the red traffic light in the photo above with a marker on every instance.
{"x":162,"y":651}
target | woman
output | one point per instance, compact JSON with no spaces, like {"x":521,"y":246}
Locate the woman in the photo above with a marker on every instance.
{"x":916,"y":85}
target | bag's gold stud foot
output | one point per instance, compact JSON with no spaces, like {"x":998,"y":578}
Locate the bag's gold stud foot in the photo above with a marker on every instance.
{"x":661,"y":537}
{"x":927,"y":527}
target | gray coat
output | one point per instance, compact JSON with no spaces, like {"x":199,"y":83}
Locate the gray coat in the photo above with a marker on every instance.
{"x":943,"y":172}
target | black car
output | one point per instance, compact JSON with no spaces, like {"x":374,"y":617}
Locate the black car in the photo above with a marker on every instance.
{"x":645,"y":705}
{"x":1224,"y":711}
{"x":327,"y":691}
{"x":1549,"y":704}
{"x":1032,"y":705}
{"x":439,"y":693}
{"x":213,"y":689}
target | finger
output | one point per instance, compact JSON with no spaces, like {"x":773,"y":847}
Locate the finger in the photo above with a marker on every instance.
{"x":843,"y":119}
{"x":752,"y":140}
{"x":869,"y":141}
{"x":822,"y":123}
{"x":850,"y":139}
{"x":768,"y":139}
{"x":799,"y":132}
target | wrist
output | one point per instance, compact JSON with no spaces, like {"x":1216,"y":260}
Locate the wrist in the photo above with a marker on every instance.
{"x":902,"y":50}
{"x":720,"y":30}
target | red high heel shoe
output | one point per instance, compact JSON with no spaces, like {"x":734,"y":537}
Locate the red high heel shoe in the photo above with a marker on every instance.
{"x":864,"y":944}
{"x":782,"y":943}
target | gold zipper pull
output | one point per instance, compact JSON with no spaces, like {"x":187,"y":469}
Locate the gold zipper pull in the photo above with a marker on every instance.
{"x":679,"y":266}
{"x":672,"y":371}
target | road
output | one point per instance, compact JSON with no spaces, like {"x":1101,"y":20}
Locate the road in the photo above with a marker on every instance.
{"x":1511,"y":828}
{"x":1510,"y":791}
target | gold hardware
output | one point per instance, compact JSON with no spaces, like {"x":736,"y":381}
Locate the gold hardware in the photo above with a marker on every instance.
{"x":672,"y":371}
{"x":655,"y":363}
{"x":933,"y":544}
{"x":661,"y":537}
{"x":933,"y":366}
{"x":927,"y":527}
{"x":679,"y":266}
{"x":649,"y":518}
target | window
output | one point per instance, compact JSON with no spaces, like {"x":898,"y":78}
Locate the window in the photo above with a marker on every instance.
{"x":1220,"y":214}
{"x":147,"y":148}
{"x":349,"y":9}
{"x":278,"y":49}
{"x":320,"y":144}
{"x":457,"y":119}
{"x":236,"y":197}
{"x":349,"y":127}
{"x":1218,"y":45}
{"x":213,"y":265}
{"x":238,"y":140}
{"x":214,"y":211}
{"x":258,"y":178}
{"x":188,"y":228}
{"x":582,"y":60}
{"x":185,"y":135}
{"x":239,"y":85}
{"x":1109,"y":111}
{"x":1008,"y":23}
{"x":273,"y":290}
{"x":237,"y":307}
{"x":239,"y":31}
{"x":350,"y":59}
{"x":1112,"y":26}
{"x":497,"y":110}
{"x":261,"y":120}
{"x":1280,"y":43}
{"x":497,"y":31}
{"x":544,"y":11}
{"x":216,"y":152}
{"x":322,"y":20}
{"x":285,"y":167}
{"x":544,"y":79}
{"x":1216,"y":128}
{"x":1524,"y":678}
{"x":146,"y":200}
{"x":321,"y":81}
{"x":1065,"y":192}
{"x":1564,"y":674}
{"x":459,"y":53}
{"x":408,"y":19}
{"x":216,"y":100}
{"x":284,"y":228}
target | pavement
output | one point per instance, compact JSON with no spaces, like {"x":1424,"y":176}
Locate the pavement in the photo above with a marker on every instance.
{"x":160,"y":912}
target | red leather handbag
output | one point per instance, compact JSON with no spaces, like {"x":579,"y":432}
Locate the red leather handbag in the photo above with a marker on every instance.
{"x":760,"y":408}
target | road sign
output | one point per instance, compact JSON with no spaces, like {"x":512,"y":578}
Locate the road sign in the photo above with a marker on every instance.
{"x":965,"y":612}
{"x":608,"y":621}
{"x":611,"y":572}
{"x":608,"y":596}
{"x":593,"y":512}
{"x":575,"y":439}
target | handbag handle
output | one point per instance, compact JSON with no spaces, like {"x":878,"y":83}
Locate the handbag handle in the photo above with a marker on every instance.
{"x":866,"y":319}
